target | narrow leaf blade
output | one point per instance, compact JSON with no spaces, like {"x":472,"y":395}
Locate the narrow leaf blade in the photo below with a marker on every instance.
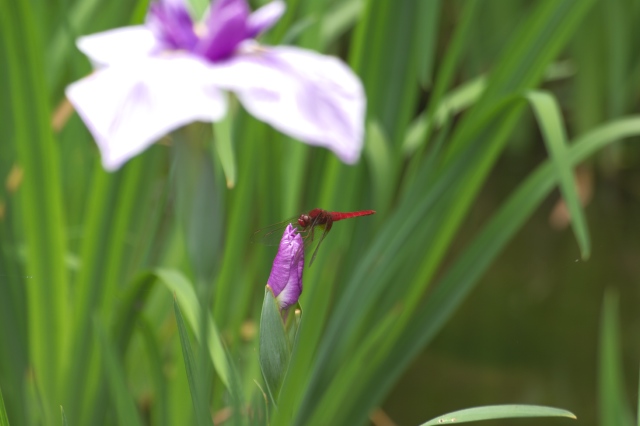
{"x":186,"y":296}
{"x":498,"y":412}
{"x":550,"y":120}
{"x":125,"y":407}
{"x":198,"y":400}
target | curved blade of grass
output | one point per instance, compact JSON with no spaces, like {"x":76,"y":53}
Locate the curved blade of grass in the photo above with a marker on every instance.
{"x":199,"y":400}
{"x":550,"y":121}
{"x":459,"y":99}
{"x":490,"y":412}
{"x":125,"y":407}
{"x":179,"y":285}
{"x":338,"y":20}
{"x":614,"y":406}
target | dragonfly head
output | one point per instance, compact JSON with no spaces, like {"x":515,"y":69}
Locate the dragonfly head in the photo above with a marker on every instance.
{"x":304,"y":220}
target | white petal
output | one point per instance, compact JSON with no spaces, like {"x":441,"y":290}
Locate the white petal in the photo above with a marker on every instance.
{"x":265,"y":17}
{"x":118,"y":45}
{"x":127,"y":108}
{"x":314,"y":98}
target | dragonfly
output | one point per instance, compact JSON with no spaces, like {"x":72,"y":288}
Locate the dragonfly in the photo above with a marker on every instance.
{"x":306,"y":225}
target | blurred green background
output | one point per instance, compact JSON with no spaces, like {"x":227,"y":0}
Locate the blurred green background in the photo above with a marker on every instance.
{"x":459,"y":292}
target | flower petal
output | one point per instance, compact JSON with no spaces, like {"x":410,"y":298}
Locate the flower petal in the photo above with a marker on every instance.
{"x":286,"y":273}
{"x":312,"y":97}
{"x":118,"y":45}
{"x":226,"y":27}
{"x":265,"y":17}
{"x":171,"y":23}
{"x":127,"y":108}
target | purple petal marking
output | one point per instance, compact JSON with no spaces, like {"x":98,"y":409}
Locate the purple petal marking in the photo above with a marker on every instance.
{"x":122,"y":45}
{"x":172,"y":25}
{"x":127,"y":108}
{"x":286,"y":273}
{"x":311,"y":97}
{"x":264,"y":18}
{"x":226,"y":27}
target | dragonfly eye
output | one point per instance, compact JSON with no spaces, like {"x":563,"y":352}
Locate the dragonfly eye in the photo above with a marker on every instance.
{"x":304,"y":220}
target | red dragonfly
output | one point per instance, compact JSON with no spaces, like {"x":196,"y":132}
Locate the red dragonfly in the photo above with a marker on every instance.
{"x":306,"y":226}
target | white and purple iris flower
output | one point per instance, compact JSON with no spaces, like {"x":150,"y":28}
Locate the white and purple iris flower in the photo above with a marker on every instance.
{"x":285,"y":279}
{"x":154,"y":78}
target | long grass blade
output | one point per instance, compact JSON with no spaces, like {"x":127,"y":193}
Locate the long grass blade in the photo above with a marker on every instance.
{"x":186,"y":297}
{"x":550,"y":120}
{"x":125,"y":407}
{"x":198,"y":399}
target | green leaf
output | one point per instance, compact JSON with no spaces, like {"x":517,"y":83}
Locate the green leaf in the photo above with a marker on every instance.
{"x":550,"y":120}
{"x":224,"y":148}
{"x":64,"y":417}
{"x":275,"y":350}
{"x":338,"y":20}
{"x":427,"y":17}
{"x":125,"y":407}
{"x":186,"y":296}
{"x":378,"y":152}
{"x":498,"y":412}
{"x":198,"y":399}
{"x":460,"y":98}
{"x":4,"y":420}
{"x":614,"y":406}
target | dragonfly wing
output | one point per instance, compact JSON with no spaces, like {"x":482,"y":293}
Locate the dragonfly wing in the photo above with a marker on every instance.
{"x":272,"y":234}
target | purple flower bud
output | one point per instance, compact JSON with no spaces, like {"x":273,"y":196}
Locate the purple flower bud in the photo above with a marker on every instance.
{"x":285,"y":279}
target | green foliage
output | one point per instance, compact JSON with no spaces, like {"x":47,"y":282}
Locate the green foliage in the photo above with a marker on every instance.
{"x":85,"y":324}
